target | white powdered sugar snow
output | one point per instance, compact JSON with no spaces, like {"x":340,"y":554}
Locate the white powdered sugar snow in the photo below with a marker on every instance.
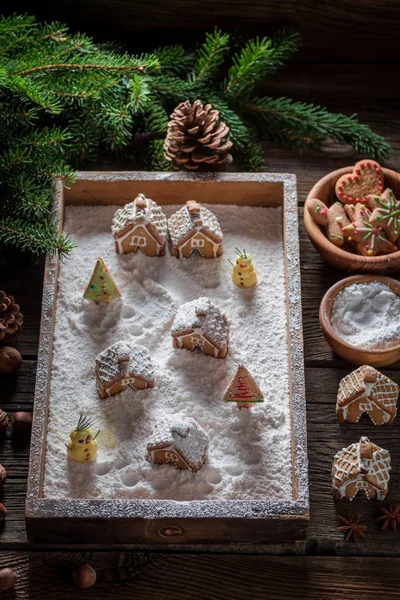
{"x":249,"y":454}
{"x":367,"y":315}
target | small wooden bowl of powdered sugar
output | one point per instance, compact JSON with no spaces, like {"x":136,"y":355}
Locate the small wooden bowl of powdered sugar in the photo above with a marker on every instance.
{"x":360,"y":318}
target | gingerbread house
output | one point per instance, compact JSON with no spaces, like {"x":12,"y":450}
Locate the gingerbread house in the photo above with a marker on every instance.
{"x":200,"y":324}
{"x":123,"y":365}
{"x":141,"y":224}
{"x":363,"y":466}
{"x":180,"y":442}
{"x":194,"y":228}
{"x":366,"y":390}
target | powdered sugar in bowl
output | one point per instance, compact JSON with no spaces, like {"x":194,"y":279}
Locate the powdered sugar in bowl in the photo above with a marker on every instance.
{"x":360,"y":318}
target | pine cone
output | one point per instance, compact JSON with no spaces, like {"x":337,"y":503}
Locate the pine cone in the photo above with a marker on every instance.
{"x":10,"y":318}
{"x":196,"y":136}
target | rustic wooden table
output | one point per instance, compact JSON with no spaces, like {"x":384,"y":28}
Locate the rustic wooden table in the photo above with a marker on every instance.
{"x":322,"y":568}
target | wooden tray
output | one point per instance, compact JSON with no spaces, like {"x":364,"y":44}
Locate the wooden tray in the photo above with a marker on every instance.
{"x":166,"y":522}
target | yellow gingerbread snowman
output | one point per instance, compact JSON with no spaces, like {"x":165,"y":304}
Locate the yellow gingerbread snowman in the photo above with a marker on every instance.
{"x":82,"y":446}
{"x":243,"y":272}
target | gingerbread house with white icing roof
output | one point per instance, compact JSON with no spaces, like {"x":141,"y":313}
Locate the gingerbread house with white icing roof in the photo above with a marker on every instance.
{"x":366,"y":390}
{"x":180,"y":442}
{"x":123,"y":365}
{"x":194,"y":228}
{"x":361,"y":467}
{"x":200,"y":324}
{"x":141,"y":224}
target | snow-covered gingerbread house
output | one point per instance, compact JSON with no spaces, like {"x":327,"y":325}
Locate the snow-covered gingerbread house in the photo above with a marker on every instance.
{"x":181,"y":442}
{"x":200,"y":324}
{"x":141,"y":224}
{"x":362,"y":466}
{"x":123,"y":365}
{"x":366,"y":390}
{"x":195,"y":228}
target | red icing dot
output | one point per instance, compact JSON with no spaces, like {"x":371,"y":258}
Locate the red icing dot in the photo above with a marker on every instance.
{"x":358,"y":171}
{"x":101,"y":278}
{"x":356,"y":177}
{"x":345,"y":197}
{"x":362,"y":165}
{"x":366,"y":246}
{"x":375,"y":231}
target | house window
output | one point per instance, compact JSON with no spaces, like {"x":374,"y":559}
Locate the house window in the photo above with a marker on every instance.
{"x":171,"y":457}
{"x":138,"y":240}
{"x":196,"y":243}
{"x":197,"y":341}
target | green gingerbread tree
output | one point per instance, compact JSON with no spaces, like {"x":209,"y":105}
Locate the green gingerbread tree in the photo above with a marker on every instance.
{"x":101,"y":286}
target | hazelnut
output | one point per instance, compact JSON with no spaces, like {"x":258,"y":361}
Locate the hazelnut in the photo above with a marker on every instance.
{"x":3,"y":512}
{"x":84,"y":576}
{"x":3,"y":476}
{"x":10,"y":359}
{"x":3,"y":420}
{"x":8,"y":579}
{"x":22,"y":422}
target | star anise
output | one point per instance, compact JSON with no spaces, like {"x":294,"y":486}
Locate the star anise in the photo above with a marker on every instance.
{"x":390,"y":517}
{"x":351,"y":527}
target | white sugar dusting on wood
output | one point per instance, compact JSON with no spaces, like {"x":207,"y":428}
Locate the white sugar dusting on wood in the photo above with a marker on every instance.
{"x":249,"y":454}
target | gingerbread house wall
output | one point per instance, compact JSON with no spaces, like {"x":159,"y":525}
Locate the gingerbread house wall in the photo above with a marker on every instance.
{"x":150,"y":248}
{"x":187,"y":342}
{"x":209,"y":249}
{"x":165,"y":455}
{"x":118,"y":386}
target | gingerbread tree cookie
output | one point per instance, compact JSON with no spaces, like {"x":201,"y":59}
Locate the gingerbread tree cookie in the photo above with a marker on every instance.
{"x":385,"y":213}
{"x":366,"y":390}
{"x":333,"y":219}
{"x":101,"y":286}
{"x":366,"y":178}
{"x":362,"y":466}
{"x":242,"y":389}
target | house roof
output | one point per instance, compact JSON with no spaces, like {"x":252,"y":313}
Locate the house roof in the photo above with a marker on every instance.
{"x":142,"y":211}
{"x":185,"y":435}
{"x":191,"y":219}
{"x":124,"y":359}
{"x":202,"y":314}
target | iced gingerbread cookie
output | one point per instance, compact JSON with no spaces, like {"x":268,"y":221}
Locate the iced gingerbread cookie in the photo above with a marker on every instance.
{"x":333,"y":219}
{"x":101,"y":286}
{"x":123,"y":365}
{"x":180,"y":442}
{"x":201,"y":324}
{"x":141,"y":224}
{"x":242,"y":389}
{"x":386,"y":213}
{"x":362,"y":466}
{"x":366,"y":390}
{"x":194,"y":228}
{"x":368,"y":239}
{"x":366,"y":178}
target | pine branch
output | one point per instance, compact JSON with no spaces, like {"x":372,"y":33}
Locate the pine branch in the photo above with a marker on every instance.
{"x":37,"y":239}
{"x":305,"y":125}
{"x":210,"y":56}
{"x":258,"y":59}
{"x":174,"y":60}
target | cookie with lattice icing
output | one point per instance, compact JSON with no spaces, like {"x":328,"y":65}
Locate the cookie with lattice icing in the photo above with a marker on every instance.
{"x":385,"y":213}
{"x":361,"y":467}
{"x":366,"y":178}
{"x":332,"y":218}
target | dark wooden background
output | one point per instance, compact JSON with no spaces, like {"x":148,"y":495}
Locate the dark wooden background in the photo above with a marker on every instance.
{"x":349,"y":63}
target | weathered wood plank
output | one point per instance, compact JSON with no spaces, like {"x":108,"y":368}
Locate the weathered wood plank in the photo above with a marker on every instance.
{"x":152,"y":576}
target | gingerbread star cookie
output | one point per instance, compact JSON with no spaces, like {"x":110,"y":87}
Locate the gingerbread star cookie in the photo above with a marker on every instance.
{"x":368,"y":239}
{"x":386,"y":213}
{"x":333,"y":219}
{"x":366,"y":178}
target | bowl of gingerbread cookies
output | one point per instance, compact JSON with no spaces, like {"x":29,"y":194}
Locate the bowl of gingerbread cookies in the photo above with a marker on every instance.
{"x":352,"y":216}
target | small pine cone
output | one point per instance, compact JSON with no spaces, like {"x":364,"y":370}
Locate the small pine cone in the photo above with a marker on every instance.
{"x":11,"y":319}
{"x":196,"y":137}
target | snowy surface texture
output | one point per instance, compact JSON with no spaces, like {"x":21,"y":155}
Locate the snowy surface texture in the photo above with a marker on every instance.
{"x":249,"y":455}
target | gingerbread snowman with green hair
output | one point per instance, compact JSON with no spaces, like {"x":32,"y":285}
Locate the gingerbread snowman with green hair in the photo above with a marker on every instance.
{"x":243,"y":272}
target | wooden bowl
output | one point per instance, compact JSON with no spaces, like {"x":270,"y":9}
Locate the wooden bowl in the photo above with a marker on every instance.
{"x":380,"y":357}
{"x":324,"y":190}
